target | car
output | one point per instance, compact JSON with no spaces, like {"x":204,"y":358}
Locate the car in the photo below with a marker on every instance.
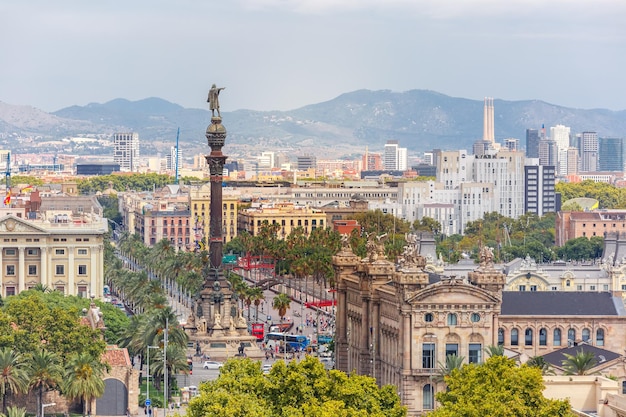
{"x":212,"y":365}
{"x":266,"y":368}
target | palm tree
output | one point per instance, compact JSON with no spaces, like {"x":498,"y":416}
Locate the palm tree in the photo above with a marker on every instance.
{"x":540,"y":363}
{"x":42,"y":288}
{"x":45,"y":372}
{"x":84,"y":379}
{"x":256,"y":295}
{"x":579,"y":364}
{"x":13,"y":376}
{"x":445,"y":369}
{"x":281,"y":304}
{"x":15,"y":412}
{"x":492,"y":350}
{"x":176,"y":363}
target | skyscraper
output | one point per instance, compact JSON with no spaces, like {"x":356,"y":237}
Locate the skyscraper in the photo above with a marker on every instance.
{"x":170,"y":159}
{"x":394,"y":157}
{"x":560,"y":134}
{"x":532,"y":143}
{"x":126,"y":151}
{"x":589,"y":142}
{"x":548,"y":153}
{"x":611,"y":154}
{"x":488,"y":124}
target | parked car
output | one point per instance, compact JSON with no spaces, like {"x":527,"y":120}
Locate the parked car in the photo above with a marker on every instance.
{"x":212,"y":365}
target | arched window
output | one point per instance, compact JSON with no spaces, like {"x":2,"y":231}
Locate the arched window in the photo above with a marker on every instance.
{"x":586,"y":335}
{"x":427,"y":397}
{"x":514,"y":337}
{"x":571,"y":337}
{"x":528,"y":337}
{"x":557,"y":337}
{"x":451,"y":319}
{"x":428,"y":317}
{"x":500,"y":336}
{"x":543,"y":337}
{"x":600,"y":337}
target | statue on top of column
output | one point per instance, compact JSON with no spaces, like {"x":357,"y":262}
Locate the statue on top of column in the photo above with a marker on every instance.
{"x":213,"y":100}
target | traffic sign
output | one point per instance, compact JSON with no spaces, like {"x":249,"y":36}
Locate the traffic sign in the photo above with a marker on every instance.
{"x":148,"y":402}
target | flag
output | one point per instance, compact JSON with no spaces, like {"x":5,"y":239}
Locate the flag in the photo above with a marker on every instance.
{"x":27,"y":189}
{"x":7,"y":199}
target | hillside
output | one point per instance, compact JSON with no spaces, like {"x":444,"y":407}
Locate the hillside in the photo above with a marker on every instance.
{"x":421,"y":120}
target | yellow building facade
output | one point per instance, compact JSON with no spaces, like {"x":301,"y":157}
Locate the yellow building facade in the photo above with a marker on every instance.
{"x":200,"y":206}
{"x":286,"y":215}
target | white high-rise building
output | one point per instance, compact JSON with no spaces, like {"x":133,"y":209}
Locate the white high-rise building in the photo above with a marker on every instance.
{"x":488,"y":121}
{"x":394,"y":157}
{"x":171,"y":159}
{"x":126,"y":151}
{"x":560,"y":134}
{"x":267,"y":160}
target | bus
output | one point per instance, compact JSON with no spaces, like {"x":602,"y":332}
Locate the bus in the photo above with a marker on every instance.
{"x":296,"y":341}
{"x":258,"y":330}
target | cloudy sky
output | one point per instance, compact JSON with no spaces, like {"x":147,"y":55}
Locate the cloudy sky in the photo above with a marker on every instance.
{"x":284,"y":54}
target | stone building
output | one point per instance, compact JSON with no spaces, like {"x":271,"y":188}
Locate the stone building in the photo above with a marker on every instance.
{"x":58,"y":248}
{"x":397,"y":321}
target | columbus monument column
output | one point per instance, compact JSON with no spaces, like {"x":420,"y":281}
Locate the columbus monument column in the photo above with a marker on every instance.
{"x":222,"y":331}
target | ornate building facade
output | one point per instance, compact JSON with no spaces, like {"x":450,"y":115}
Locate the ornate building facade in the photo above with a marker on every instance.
{"x":397,"y":321}
{"x":60,"y":251}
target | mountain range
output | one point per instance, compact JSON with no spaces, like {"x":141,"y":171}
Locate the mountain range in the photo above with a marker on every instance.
{"x":420,"y":120}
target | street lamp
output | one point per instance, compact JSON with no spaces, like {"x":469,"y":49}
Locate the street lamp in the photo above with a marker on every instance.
{"x":148,"y":371}
{"x":44,"y":406}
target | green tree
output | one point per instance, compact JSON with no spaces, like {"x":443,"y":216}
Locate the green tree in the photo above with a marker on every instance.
{"x":579,"y":364}
{"x":281,"y":304}
{"x":84,"y":379}
{"x":497,"y":388}
{"x":45,"y":373}
{"x":13,"y":374}
{"x":300,"y":389}
{"x":53,"y":320}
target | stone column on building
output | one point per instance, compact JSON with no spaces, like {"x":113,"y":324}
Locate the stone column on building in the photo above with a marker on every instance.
{"x":375,"y":337}
{"x":341,"y":329}
{"x":70,"y":272}
{"x":365,"y":355}
{"x":94,"y":275}
{"x":45,"y":278}
{"x":21,"y":274}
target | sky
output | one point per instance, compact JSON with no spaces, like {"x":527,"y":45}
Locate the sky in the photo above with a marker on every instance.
{"x":285,"y":54}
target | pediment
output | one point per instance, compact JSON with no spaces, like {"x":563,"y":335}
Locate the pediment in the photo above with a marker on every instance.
{"x":452,"y":293}
{"x":14,"y":224}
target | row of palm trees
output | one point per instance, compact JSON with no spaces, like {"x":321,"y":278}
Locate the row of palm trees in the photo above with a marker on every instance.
{"x":81,"y":378}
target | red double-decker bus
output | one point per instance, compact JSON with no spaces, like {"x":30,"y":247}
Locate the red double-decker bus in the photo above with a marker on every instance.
{"x":258,"y":330}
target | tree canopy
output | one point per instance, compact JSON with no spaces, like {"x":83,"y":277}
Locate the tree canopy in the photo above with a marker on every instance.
{"x":297,"y":389}
{"x":497,"y":387}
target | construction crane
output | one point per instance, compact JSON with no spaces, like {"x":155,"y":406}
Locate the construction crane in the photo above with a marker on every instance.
{"x":7,"y":180}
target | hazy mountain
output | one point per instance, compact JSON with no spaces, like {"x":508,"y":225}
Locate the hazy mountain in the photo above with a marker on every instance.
{"x":421,"y":120}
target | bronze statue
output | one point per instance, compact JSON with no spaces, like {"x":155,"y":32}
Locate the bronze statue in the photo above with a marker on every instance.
{"x":213,"y":100}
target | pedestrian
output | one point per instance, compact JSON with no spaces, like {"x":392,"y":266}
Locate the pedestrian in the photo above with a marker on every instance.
{"x":128,"y":412}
